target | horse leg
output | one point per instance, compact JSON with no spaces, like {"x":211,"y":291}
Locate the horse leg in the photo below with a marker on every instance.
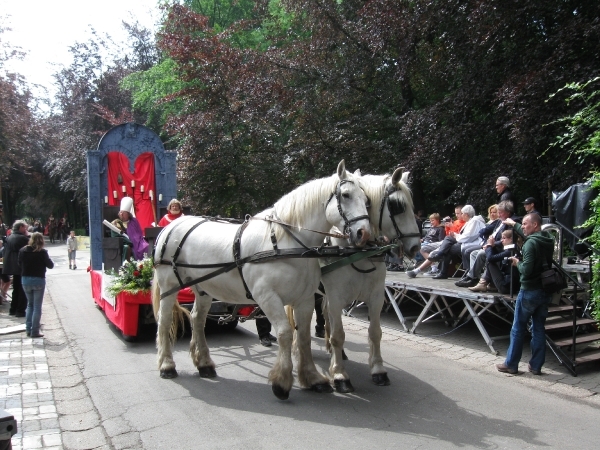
{"x":198,"y":345}
{"x":337,"y":337}
{"x":378,"y":372}
{"x":164,"y":340}
{"x":308,"y":375}
{"x":280,"y":375}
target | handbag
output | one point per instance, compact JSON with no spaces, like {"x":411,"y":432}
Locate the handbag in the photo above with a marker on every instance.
{"x":552,"y":280}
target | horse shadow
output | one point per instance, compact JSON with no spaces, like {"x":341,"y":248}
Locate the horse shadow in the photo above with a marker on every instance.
{"x":410,"y":406}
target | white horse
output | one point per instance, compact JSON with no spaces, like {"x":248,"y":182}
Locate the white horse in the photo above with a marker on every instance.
{"x":191,"y":250}
{"x":364,"y":280}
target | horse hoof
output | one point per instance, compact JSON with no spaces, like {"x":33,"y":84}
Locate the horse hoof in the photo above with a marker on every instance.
{"x":380,"y":379}
{"x":343,"y":386}
{"x":322,"y":388}
{"x":168,"y":373}
{"x":344,"y":356}
{"x":280,"y":393}
{"x":207,"y":372}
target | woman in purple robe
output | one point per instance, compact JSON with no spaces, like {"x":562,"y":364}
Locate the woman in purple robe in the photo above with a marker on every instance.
{"x":130,"y":226}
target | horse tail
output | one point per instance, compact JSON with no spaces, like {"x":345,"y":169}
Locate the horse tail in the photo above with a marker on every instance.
{"x":179,"y":316}
{"x":325,"y":309}
{"x":289,"y":311}
{"x":155,"y":295}
{"x":179,"y":313}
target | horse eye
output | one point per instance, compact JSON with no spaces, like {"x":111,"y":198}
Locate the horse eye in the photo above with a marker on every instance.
{"x":368,"y":204}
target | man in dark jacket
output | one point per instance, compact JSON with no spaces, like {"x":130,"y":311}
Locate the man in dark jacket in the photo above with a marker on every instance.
{"x":532,"y":301}
{"x":503,"y":190}
{"x":15,"y":242}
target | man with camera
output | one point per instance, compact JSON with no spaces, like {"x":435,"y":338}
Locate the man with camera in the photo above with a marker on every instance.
{"x":532,"y":301}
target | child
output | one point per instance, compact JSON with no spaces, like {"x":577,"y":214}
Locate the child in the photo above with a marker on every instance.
{"x":72,"y":249}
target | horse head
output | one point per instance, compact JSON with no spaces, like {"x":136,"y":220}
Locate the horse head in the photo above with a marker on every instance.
{"x":394,"y":218}
{"x":346,"y":208}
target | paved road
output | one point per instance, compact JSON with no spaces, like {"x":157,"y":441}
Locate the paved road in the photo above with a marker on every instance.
{"x":108,"y":394}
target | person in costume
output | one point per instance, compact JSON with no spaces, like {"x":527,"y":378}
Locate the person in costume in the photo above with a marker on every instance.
{"x":174,"y":211}
{"x":129,"y":225}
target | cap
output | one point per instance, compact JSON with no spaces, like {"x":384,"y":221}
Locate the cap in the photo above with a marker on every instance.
{"x":127,"y":205}
{"x":529,"y":200}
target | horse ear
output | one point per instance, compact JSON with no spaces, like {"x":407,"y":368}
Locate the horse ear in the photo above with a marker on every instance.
{"x":397,"y":176}
{"x":357,"y":173}
{"x":341,"y":170}
{"x":405,"y":176}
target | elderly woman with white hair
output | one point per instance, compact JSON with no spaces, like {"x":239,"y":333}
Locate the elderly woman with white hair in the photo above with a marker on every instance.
{"x":452,"y":243}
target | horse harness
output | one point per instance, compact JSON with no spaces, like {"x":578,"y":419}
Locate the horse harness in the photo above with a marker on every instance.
{"x":276,"y":253}
{"x":395,"y":207}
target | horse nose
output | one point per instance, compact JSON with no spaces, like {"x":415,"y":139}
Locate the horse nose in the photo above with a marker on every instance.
{"x":362,"y":236}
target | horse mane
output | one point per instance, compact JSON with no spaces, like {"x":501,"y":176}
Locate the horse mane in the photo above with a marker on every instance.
{"x":374,"y":187}
{"x":298,"y":204}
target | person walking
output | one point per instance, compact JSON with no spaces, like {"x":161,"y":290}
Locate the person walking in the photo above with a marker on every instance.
{"x":72,"y":249}
{"x":532,"y":301}
{"x":15,"y":242}
{"x":33,"y":260}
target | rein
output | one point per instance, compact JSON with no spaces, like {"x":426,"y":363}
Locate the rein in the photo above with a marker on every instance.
{"x":276,"y":253}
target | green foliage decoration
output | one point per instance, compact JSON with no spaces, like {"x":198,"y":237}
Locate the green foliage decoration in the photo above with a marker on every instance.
{"x":581,"y":138}
{"x":132,"y":277}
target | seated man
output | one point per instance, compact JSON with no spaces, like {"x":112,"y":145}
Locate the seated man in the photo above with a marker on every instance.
{"x":499,"y":275}
{"x":492,"y":234}
{"x":129,"y":225}
{"x":452,"y":243}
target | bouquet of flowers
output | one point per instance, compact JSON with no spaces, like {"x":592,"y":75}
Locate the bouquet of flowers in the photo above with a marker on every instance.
{"x":133,"y":277}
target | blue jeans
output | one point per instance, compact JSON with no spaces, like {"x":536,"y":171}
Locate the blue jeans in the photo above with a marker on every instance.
{"x":33,"y":314}
{"x":534,"y":305}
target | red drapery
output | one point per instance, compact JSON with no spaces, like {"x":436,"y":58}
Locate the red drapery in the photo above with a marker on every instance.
{"x":145,"y":209}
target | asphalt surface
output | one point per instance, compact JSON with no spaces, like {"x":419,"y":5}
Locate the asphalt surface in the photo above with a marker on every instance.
{"x":82,"y":386}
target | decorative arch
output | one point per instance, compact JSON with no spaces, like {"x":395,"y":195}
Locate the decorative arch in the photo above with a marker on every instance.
{"x":131,"y":140}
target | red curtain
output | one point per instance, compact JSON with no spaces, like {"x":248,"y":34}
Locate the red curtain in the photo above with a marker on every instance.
{"x":118,"y":164}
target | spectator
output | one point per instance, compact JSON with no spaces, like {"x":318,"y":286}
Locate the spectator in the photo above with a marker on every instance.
{"x":434,"y":237}
{"x":497,"y":275}
{"x":492,"y":214}
{"x":33,"y":260}
{"x":477,"y":258}
{"x":452,"y":243}
{"x":72,"y":250}
{"x":15,"y":242}
{"x":530,"y":206}
{"x":503,"y":189}
{"x":532,"y":301}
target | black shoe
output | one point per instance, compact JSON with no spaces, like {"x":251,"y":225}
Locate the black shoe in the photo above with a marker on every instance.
{"x":39,"y":335}
{"x":320,"y":333}
{"x":20,"y":314}
{"x":74,"y":267}
{"x":440,"y":276}
{"x":265,"y":341}
{"x":11,"y":313}
{"x":271,"y":337}
{"x":466,"y":282}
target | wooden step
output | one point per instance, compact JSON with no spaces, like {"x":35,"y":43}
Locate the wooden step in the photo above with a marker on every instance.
{"x":581,"y":339}
{"x":588,"y":357}
{"x":563,"y":324}
{"x":561,"y":308}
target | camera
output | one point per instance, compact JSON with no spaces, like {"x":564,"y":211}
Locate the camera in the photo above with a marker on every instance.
{"x":447,"y":219}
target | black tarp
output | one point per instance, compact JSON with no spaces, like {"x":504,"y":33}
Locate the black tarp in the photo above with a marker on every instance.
{"x":572,"y":208}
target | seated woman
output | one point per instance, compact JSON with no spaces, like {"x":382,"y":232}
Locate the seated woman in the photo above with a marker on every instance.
{"x":129,"y":225}
{"x":498,"y":272}
{"x":174,"y":211}
{"x":467,"y":249}
{"x":452,"y":243}
{"x":434,"y":237}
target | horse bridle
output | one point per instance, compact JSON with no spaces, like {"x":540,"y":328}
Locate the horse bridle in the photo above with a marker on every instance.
{"x":395,"y":207}
{"x":338,"y":196}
